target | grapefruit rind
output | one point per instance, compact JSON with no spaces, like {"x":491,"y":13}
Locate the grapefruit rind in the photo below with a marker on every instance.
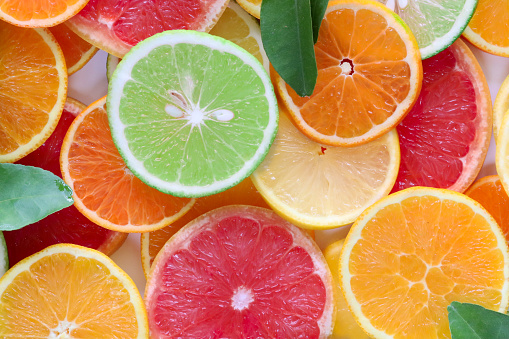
{"x":355,"y":235}
{"x":413,"y":59}
{"x":183,"y":238}
{"x":80,"y":251}
{"x":115,"y":94}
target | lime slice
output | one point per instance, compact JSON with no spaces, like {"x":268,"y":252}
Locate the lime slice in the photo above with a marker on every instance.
{"x":190,"y":113}
{"x":436,"y":24}
{"x":4,"y":259}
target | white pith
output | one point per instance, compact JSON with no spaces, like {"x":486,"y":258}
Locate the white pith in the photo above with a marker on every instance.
{"x":242,"y":298}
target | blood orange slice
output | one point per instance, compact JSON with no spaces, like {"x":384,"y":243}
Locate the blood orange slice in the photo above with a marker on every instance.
{"x":445,"y":137}
{"x":117,"y":25}
{"x":67,"y":225}
{"x":240,"y":272}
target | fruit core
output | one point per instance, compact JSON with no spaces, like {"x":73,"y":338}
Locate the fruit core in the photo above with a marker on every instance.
{"x":242,"y":298}
{"x":347,"y":66}
{"x":63,"y":330}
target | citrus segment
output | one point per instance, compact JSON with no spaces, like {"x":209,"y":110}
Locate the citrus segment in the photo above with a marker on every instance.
{"x":191,"y":114}
{"x":369,"y":76}
{"x":500,"y":106}
{"x":345,"y":326}
{"x":251,"y":6}
{"x":105,"y":191}
{"x":240,"y":271}
{"x":445,"y":137}
{"x":67,"y":225}
{"x":487,"y":29}
{"x":435,"y":24}
{"x":77,"y":52}
{"x":317,"y":186}
{"x":117,"y":25}
{"x":411,"y":254}
{"x":39,"y":13}
{"x":34,"y":87}
{"x":241,"y":194}
{"x":69,"y":291}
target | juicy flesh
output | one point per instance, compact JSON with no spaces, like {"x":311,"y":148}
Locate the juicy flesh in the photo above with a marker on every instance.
{"x":35,"y":9}
{"x":349,"y":103}
{"x":437,"y":134}
{"x":492,"y":28}
{"x":199,"y":291}
{"x":450,"y":253}
{"x":72,"y":45}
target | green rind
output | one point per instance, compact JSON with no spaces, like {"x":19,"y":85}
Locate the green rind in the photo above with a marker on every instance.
{"x":120,"y":78}
{"x":4,"y":258}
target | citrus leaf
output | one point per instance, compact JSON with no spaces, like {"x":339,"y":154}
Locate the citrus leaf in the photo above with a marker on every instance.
{"x":469,"y":321}
{"x":29,"y":194}
{"x":288,"y":41}
{"x":318,"y":8}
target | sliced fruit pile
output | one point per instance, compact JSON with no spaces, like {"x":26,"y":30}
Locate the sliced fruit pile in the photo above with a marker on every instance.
{"x":203,"y":148}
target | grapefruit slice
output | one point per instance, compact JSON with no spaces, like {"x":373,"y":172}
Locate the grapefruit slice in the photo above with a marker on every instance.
{"x":117,"y":25}
{"x":445,"y":137}
{"x":240,"y":271}
{"x":67,"y":225}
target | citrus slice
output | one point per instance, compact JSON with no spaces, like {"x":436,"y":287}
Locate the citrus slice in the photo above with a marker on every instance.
{"x":500,"y":106}
{"x":490,"y":193}
{"x":445,"y":137}
{"x":105,"y":191}
{"x":39,"y":13}
{"x":69,"y":291}
{"x":240,"y":272}
{"x":251,"y":6}
{"x":4,"y":258}
{"x":67,"y":225}
{"x":369,"y":75}
{"x":34,"y":87}
{"x":317,"y":186}
{"x":436,"y":24}
{"x":111,"y":64}
{"x":408,"y":256}
{"x":191,"y":114}
{"x":77,"y":52}
{"x":502,"y":153}
{"x":486,"y":29}
{"x":115,"y":26}
{"x":242,"y":194}
{"x":345,"y":326}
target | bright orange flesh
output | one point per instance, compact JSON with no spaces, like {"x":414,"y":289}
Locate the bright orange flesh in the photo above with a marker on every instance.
{"x":369,"y":75}
{"x":105,"y":191}
{"x":251,"y":6}
{"x":413,"y":253}
{"x":70,"y":291}
{"x":77,"y":52}
{"x":33,"y":83}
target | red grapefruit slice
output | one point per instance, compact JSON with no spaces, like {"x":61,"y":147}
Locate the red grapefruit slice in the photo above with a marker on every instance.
{"x":445,"y":137}
{"x":117,"y":25}
{"x":240,"y":272}
{"x":67,"y":225}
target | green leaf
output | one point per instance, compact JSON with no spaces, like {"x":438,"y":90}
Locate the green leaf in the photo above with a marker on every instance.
{"x":318,"y":8}
{"x":29,"y":194}
{"x":469,"y":321}
{"x":287,"y":36}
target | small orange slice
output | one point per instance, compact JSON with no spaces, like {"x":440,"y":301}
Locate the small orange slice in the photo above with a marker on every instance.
{"x":411,"y":254}
{"x":77,"y":52}
{"x":33,"y":88}
{"x":251,"y":6}
{"x":39,"y":13}
{"x":105,"y":191}
{"x":69,"y":291}
{"x":369,"y":75}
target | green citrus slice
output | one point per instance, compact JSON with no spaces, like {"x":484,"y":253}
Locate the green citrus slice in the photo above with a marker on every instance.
{"x":436,"y":24}
{"x":4,"y":259}
{"x":190,"y":113}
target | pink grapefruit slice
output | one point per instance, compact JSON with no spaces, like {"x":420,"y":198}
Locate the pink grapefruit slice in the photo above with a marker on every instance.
{"x":445,"y":137}
{"x":117,"y":25}
{"x":240,"y":272}
{"x":67,"y":225}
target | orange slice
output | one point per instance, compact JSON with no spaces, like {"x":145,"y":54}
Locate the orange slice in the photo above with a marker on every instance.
{"x":369,"y":75}
{"x":411,"y":254}
{"x":39,"y":13}
{"x":77,"y":52}
{"x":251,"y":6}
{"x":105,"y":191}
{"x":33,"y":83}
{"x":244,"y":194}
{"x":487,"y":29}
{"x":69,"y":291}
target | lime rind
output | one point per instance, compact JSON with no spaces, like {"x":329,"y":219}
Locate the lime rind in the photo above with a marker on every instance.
{"x":163,"y":170}
{"x":4,"y":258}
{"x":435,"y":24}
